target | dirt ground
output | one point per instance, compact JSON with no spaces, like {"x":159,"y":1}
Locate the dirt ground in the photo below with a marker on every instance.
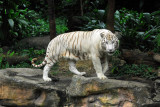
{"x":61,"y":69}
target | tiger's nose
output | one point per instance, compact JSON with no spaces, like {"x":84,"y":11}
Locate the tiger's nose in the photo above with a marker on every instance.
{"x":111,"y":50}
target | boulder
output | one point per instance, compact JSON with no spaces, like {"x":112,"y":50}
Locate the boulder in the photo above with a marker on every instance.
{"x":157,"y":89}
{"x":95,"y":92}
{"x":156,"y":57}
{"x":37,"y":42}
{"x":25,"y":87}
{"x":138,"y":57}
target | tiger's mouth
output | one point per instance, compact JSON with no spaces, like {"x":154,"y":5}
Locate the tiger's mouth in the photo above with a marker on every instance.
{"x":110,"y":53}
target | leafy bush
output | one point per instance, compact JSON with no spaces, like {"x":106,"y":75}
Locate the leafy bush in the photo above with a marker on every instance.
{"x":134,"y":70}
{"x":95,"y":20}
{"x":157,"y":42}
{"x":3,"y":63}
{"x":61,"y":25}
{"x":18,"y":21}
{"x":32,"y":53}
{"x":139,"y":30}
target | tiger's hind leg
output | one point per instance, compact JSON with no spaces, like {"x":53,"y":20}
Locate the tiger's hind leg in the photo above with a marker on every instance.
{"x":73,"y":69}
{"x":46,"y":70}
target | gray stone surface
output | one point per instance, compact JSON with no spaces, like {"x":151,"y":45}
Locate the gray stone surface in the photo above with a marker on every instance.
{"x":80,"y":84}
{"x":137,"y":94}
{"x":25,"y":87}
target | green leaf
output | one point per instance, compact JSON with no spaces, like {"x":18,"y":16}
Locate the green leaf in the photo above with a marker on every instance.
{"x":5,"y":11}
{"x":16,"y":14}
{"x":1,"y":2}
{"x":15,"y":33}
{"x":23,"y":22}
{"x":158,"y":39}
{"x":147,"y":16}
{"x":11,"y":22}
{"x":23,"y":11}
{"x":113,"y":69}
{"x":8,"y":52}
{"x":11,"y":54}
{"x":11,"y":11}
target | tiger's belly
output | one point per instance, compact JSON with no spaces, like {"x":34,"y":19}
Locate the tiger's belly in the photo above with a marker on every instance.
{"x":75,"y":55}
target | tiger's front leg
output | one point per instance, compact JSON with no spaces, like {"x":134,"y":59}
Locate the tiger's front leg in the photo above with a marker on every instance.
{"x":104,"y":63}
{"x":98,"y":67}
{"x":73,"y":69}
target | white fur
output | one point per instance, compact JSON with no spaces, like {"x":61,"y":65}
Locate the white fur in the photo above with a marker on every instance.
{"x":81,"y":46}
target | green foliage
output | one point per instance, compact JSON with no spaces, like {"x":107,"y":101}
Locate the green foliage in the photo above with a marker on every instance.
{"x":3,"y":63}
{"x":157,"y":42}
{"x":24,"y":22}
{"x":1,"y":56}
{"x":32,"y":53}
{"x":20,"y":65}
{"x":140,"y":29}
{"x":158,"y":39}
{"x":117,"y":53}
{"x":61,"y":25}
{"x":10,"y":54}
{"x":134,"y":70}
{"x":95,"y":20}
{"x":18,"y":19}
{"x":37,"y":27}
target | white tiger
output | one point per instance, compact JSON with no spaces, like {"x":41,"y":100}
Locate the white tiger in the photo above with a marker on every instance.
{"x":96,"y":45}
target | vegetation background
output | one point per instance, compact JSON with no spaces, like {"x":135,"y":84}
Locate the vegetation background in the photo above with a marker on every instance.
{"x":138,"y":21}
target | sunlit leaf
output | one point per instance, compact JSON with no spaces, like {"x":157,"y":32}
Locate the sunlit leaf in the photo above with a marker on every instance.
{"x":147,"y":16}
{"x":23,"y":21}
{"x":11,"y":22}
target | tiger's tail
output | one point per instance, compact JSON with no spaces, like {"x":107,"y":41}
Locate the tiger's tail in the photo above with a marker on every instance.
{"x":40,"y":65}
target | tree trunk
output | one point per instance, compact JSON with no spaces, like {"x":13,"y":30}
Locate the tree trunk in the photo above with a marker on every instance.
{"x":4,"y":33}
{"x":110,"y":15}
{"x":81,"y":4}
{"x":52,"y":25}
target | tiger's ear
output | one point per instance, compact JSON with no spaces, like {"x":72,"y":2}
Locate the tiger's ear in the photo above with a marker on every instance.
{"x":117,"y":44}
{"x":102,"y":35}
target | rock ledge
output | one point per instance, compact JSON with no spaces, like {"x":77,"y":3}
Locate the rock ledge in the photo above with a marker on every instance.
{"x":23,"y":87}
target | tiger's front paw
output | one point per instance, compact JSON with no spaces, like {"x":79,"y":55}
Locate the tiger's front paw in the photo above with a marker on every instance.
{"x":83,"y":73}
{"x":101,"y":76}
{"x":47,"y":79}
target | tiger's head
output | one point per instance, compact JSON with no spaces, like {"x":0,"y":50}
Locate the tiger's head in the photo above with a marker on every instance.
{"x":109,"y":42}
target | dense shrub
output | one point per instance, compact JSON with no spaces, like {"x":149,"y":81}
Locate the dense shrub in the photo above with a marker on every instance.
{"x":139,"y":30}
{"x":134,"y":70}
{"x":18,"y":20}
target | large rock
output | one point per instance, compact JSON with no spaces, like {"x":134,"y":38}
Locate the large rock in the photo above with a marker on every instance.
{"x":25,"y":87}
{"x":109,"y":92}
{"x":37,"y":42}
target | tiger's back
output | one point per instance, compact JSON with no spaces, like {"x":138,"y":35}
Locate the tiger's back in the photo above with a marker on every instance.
{"x":73,"y":45}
